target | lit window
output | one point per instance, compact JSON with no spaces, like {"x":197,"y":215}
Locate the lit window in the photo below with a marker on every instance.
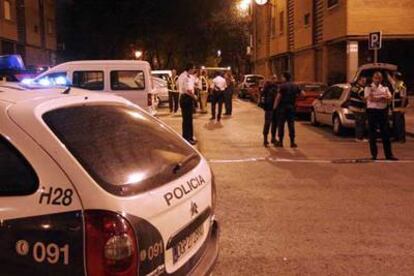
{"x":332,"y":3}
{"x":7,"y":10}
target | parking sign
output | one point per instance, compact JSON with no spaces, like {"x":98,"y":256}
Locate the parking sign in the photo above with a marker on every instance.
{"x":375,"y":40}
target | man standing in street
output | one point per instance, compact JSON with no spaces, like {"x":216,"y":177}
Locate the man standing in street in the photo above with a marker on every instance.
{"x":267,"y":100}
{"x":219,"y":85}
{"x":187,"y":98}
{"x":399,"y":103}
{"x":173,"y":93}
{"x":358,"y":106}
{"x":285,"y":104}
{"x":228,"y":93}
{"x":204,"y":91}
{"x":378,"y":97}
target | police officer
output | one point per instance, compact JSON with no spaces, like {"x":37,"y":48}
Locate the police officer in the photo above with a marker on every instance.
{"x":173,"y":92}
{"x":219,"y":85}
{"x":267,"y":100}
{"x":204,"y":91}
{"x":378,"y":97}
{"x":398,"y":105}
{"x":358,"y":106}
{"x":228,"y":93}
{"x":285,"y":103}
{"x":187,"y":98}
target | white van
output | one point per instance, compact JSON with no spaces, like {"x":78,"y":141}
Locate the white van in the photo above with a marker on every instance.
{"x":130,"y":79}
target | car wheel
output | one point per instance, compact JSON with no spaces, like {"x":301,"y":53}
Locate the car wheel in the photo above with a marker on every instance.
{"x":313,"y":119}
{"x":337,"y":126}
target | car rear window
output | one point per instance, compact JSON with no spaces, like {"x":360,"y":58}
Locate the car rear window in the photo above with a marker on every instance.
{"x":123,"y":149}
{"x":17,"y":177}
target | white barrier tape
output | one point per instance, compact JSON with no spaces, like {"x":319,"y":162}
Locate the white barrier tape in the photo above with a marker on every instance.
{"x":320,"y":161}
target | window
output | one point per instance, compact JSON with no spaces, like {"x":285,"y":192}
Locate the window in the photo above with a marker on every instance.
{"x":50,"y":27}
{"x":16,"y":175}
{"x":123,"y":149}
{"x":127,"y":80}
{"x":333,"y":93}
{"x":53,"y":79}
{"x":90,"y":80}
{"x":7,"y":12}
{"x":273,"y":20}
{"x":307,"y":19}
{"x":332,"y":3}
{"x":337,"y":93}
{"x":282,"y":22}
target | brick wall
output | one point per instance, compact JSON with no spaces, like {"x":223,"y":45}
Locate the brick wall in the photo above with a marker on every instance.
{"x":305,"y":65}
{"x":392,"y":17}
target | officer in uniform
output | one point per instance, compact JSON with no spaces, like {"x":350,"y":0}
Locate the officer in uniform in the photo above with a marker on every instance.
{"x":204,"y":91}
{"x":187,"y":98}
{"x":358,"y":106}
{"x":217,"y":98}
{"x":398,"y":105}
{"x":378,"y":97}
{"x":173,"y":92}
{"x":228,"y":93}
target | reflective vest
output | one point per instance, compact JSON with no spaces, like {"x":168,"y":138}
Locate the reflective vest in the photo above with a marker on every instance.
{"x":356,"y":99}
{"x":172,"y":84}
{"x":399,"y":96}
{"x":204,"y":84}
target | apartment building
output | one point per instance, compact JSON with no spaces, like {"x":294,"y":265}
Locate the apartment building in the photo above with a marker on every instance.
{"x":326,"y":40}
{"x":27,"y":27}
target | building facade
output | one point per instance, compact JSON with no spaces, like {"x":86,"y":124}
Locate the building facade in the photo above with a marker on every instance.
{"x":327,"y":40}
{"x":28,"y":28}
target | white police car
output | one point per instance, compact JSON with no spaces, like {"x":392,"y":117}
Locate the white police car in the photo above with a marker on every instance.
{"x":92,"y":185}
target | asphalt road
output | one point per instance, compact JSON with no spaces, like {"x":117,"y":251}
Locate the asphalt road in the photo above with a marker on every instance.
{"x":310,"y":211}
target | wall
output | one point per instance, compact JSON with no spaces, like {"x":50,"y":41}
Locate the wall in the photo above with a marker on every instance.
{"x":305,"y":65}
{"x":335,"y":21}
{"x":392,"y":17}
{"x":32,"y":23}
{"x":303,"y":33}
{"x":8,"y":28}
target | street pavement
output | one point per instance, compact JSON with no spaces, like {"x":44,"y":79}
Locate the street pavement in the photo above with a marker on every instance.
{"x":321,"y":209}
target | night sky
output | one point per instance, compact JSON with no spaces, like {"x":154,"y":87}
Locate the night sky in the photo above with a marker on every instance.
{"x":170,"y":32}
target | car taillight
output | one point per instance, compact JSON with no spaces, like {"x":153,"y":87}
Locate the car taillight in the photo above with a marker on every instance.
{"x":111,"y":246}
{"x":149,"y":100}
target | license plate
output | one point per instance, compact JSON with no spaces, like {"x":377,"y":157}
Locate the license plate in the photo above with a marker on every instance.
{"x":185,"y":245}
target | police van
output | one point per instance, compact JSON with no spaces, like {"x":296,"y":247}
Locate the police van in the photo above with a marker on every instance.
{"x":93,"y":185}
{"x":130,"y":79}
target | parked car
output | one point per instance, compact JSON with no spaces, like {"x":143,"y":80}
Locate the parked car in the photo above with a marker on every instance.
{"x":160,"y":89}
{"x":250,"y":86}
{"x":93,"y":185}
{"x":162,"y":74}
{"x":126,"y":78}
{"x":332,"y":109}
{"x":312,"y":90}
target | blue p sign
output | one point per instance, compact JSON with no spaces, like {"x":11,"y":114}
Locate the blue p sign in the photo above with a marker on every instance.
{"x":375,"y":41}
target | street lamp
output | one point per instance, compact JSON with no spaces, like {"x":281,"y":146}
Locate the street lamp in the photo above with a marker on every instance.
{"x":261,"y":2}
{"x":138,"y":54}
{"x":243,"y":6}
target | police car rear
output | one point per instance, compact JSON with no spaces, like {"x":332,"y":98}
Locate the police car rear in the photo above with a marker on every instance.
{"x":101,"y":188}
